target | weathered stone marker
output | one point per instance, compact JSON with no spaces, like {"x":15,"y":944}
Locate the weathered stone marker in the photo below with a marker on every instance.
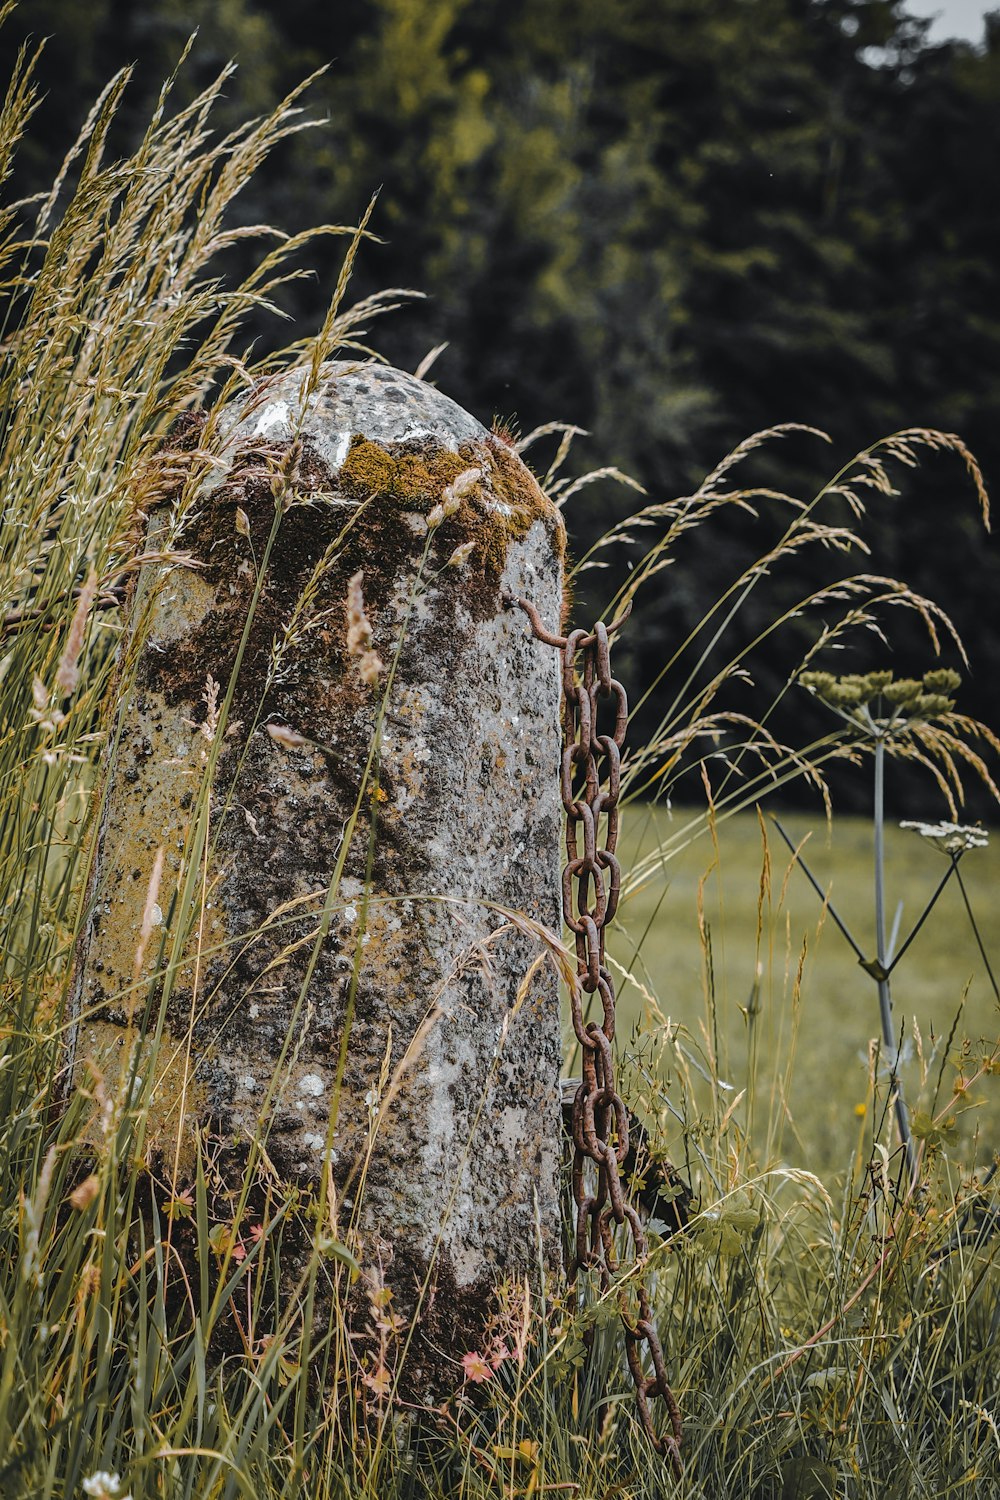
{"x":320,"y":910}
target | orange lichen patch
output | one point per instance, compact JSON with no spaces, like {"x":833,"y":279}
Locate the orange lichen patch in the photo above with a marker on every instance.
{"x":514,"y":482}
{"x":414,"y":475}
{"x":167,"y":1089}
{"x":159,"y":759}
{"x":502,"y":506}
{"x":396,"y":487}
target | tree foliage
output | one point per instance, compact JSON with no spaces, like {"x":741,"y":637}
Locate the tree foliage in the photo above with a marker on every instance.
{"x":671,"y":222}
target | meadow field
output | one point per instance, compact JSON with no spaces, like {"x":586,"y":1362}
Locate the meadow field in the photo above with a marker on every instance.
{"x":829,"y":1314}
{"x":803,"y":1057}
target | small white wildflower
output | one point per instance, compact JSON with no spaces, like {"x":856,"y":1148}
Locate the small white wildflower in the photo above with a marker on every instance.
{"x":104,"y":1486}
{"x":950,"y":838}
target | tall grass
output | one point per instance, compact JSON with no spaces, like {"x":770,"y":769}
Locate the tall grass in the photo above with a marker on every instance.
{"x":824,"y":1338}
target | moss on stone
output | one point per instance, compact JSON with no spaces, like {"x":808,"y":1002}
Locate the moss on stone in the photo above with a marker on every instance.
{"x":502,"y":508}
{"x":417,"y":476}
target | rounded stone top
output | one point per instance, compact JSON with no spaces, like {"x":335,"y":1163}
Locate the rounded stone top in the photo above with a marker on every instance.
{"x":381,"y":403}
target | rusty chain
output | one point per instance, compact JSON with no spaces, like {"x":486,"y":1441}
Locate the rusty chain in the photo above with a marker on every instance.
{"x":600,"y":1119}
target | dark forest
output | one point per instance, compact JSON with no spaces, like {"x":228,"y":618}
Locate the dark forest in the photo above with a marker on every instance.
{"x":669,"y":223}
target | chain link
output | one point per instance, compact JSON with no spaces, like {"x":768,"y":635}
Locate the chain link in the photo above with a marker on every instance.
{"x":600,"y":1119}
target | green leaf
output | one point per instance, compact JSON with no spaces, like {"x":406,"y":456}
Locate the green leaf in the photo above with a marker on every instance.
{"x":328,"y":1246}
{"x":741,"y":1219}
{"x":924,"y":1129}
{"x":808,"y":1479}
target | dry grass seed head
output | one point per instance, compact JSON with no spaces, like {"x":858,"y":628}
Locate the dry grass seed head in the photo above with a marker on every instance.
{"x":359,"y":633}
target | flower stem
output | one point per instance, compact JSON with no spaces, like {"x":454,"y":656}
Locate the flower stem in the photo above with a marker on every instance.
{"x":975,"y":929}
{"x":884,"y":995}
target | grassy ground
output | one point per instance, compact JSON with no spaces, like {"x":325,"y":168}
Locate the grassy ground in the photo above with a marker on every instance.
{"x":826,"y":1339}
{"x":811,"y":1039}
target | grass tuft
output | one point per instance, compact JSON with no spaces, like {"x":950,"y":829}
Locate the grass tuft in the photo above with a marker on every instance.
{"x":826,"y":1334}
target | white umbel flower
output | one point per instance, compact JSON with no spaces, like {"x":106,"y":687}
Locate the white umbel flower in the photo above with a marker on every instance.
{"x":951,"y":838}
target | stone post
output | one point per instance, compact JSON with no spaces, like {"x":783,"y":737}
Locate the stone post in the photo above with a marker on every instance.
{"x":344,"y":791}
